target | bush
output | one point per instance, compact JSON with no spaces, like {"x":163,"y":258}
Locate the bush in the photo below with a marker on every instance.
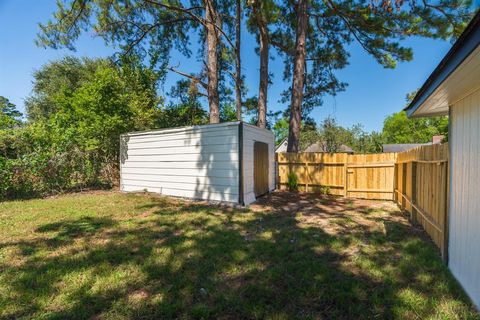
{"x":325,"y":190}
{"x":292,"y":183}
{"x":77,"y":112}
{"x":38,"y":171}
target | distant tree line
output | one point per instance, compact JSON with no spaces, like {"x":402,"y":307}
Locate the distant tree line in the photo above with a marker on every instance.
{"x":397,"y":129}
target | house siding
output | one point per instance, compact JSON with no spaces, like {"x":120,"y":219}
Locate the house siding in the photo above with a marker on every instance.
{"x":200,"y":162}
{"x":250,"y":135}
{"x":464,"y":214}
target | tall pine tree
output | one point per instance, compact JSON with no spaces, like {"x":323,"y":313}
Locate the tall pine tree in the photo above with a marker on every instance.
{"x":323,"y":29}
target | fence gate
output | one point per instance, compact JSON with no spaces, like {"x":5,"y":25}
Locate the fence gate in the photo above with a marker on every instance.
{"x":369,"y":176}
{"x":260,"y":168}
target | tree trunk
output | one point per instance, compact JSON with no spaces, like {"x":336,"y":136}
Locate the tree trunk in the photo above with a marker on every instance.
{"x":212,"y":61}
{"x":238,"y":74}
{"x":263,"y":86}
{"x":298,"y":78}
{"x":263,"y":44}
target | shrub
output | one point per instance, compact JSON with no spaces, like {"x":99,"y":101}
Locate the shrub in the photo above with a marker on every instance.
{"x":325,"y":190}
{"x":36,"y":161}
{"x":76,"y":114}
{"x":292,"y":183}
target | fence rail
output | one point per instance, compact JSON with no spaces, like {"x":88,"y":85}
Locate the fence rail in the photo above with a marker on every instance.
{"x":416,"y":179}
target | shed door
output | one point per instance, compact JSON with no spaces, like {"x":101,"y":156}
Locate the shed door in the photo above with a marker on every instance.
{"x":260,"y":168}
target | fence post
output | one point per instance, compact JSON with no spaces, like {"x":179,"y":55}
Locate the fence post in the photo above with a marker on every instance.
{"x":306,"y":177}
{"x":404,"y":184}
{"x":345,"y":173}
{"x":414,"y":191}
{"x":277,"y":172}
{"x":395,"y":181}
{"x":447,"y":212}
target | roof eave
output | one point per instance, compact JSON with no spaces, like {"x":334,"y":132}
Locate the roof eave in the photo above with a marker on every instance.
{"x":462,"y":48}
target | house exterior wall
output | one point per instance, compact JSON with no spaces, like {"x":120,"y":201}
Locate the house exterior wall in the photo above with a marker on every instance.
{"x":464,"y":213}
{"x":198,"y":162}
{"x":250,"y":135}
{"x":282,"y":147}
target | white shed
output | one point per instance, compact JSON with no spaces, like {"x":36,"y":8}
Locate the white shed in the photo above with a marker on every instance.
{"x":454,"y":88}
{"x":232,"y":162}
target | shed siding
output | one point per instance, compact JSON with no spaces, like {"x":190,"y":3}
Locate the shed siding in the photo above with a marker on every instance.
{"x":250,"y":135}
{"x":198,"y":162}
{"x":464,"y":238}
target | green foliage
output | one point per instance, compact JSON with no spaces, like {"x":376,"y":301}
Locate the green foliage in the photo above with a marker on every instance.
{"x":150,"y":30}
{"x":363,"y":142}
{"x":398,"y":128}
{"x":55,"y":80}
{"x":331,"y":136}
{"x":178,"y":115}
{"x":280,"y":130}
{"x":141,"y":28}
{"x":185,"y":109}
{"x":228,"y":112}
{"x":325,"y":190}
{"x":378,"y":27}
{"x":9,"y":115}
{"x":72,"y":138}
{"x":292,"y":182}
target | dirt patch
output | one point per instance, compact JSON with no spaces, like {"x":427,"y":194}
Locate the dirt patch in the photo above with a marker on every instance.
{"x":333,"y":214}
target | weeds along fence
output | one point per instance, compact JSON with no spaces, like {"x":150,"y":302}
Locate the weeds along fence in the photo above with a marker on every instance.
{"x":416,"y":179}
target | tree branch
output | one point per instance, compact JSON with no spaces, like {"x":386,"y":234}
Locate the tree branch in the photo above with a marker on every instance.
{"x":187,"y":11}
{"x":445,"y":14}
{"x":352,"y":29}
{"x":282,"y":47}
{"x":146,"y":31}
{"x":200,"y":20}
{"x":79,"y":14}
{"x":189,"y":76}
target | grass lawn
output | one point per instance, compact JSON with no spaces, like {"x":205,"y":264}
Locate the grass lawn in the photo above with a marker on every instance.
{"x":123,"y":256}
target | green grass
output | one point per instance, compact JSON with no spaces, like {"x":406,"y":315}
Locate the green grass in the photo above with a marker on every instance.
{"x":125,"y":256}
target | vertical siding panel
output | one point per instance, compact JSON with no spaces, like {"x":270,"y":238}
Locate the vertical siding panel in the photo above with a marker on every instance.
{"x":475,"y":227}
{"x":464,"y":206}
{"x":470,"y":164}
{"x":473,"y":191}
{"x":453,"y":254}
{"x":465,"y":173}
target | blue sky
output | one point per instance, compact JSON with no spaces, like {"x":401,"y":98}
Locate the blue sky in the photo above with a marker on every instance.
{"x":372,"y":94}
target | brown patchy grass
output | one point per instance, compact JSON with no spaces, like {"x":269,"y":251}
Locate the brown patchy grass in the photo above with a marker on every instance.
{"x":107,"y":255}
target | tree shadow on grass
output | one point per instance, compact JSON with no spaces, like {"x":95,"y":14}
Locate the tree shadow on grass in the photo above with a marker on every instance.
{"x":74,"y":228}
{"x":193,"y":260}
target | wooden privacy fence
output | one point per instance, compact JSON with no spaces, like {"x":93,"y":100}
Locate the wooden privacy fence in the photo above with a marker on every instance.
{"x":416,"y":179}
{"x":421,"y":187}
{"x":368,"y":176}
